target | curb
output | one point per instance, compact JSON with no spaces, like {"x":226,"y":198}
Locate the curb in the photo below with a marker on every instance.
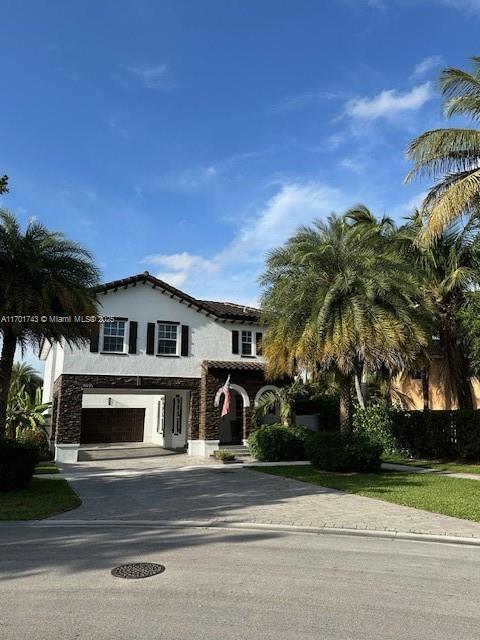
{"x":252,"y":526}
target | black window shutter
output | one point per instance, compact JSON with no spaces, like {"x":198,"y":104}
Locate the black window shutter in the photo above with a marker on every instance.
{"x":235,"y":342}
{"x":258,"y":342}
{"x":132,"y":337}
{"x":151,"y":338}
{"x":185,"y":336}
{"x":94,"y":338}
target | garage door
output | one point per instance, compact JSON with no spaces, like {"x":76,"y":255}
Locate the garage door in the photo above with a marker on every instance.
{"x":112,"y":425}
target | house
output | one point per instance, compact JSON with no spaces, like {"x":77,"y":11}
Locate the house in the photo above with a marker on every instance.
{"x":153,"y":372}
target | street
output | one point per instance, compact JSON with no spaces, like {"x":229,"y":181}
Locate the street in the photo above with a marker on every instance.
{"x":225,"y":584}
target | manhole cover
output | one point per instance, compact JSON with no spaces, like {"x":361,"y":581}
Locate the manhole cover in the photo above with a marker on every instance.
{"x":136,"y":570}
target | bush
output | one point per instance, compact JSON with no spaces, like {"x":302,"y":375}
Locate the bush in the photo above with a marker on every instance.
{"x":340,"y":452}
{"x":39,"y":440}
{"x":17,"y":464}
{"x":276,"y":443}
{"x":376,"y":422}
{"x":223,"y":454}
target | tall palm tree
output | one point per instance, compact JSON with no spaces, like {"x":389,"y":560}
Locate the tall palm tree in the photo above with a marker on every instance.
{"x":341,"y":298}
{"x":450,"y":268}
{"x":451,"y":157}
{"x":42,"y":275}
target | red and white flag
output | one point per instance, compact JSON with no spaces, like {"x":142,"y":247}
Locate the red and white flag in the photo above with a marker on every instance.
{"x":226,"y":398}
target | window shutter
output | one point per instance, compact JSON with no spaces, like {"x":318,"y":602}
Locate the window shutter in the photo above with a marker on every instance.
{"x":94,"y":337}
{"x":258,"y":342}
{"x":151,"y":338}
{"x":185,"y":340}
{"x":132,"y":337}
{"x":235,"y":342}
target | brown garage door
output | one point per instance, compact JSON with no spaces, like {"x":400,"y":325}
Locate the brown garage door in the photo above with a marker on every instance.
{"x":112,"y":425}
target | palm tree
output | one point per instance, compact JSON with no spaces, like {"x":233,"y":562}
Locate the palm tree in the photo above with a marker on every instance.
{"x":451,"y":268}
{"x":451,"y":157}
{"x":340,"y":298}
{"x":284,"y":399}
{"x":24,"y":376}
{"x":42,"y":275}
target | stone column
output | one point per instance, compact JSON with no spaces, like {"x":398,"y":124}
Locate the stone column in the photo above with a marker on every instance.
{"x":68,"y":423}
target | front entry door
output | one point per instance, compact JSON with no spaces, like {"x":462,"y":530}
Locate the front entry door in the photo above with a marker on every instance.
{"x":175,"y":421}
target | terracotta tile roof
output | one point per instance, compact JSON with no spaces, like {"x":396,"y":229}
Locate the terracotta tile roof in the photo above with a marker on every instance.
{"x":221,"y":310}
{"x":242,"y":365}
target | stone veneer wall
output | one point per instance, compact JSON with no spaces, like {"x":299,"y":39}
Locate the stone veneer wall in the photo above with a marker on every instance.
{"x":68,"y":392}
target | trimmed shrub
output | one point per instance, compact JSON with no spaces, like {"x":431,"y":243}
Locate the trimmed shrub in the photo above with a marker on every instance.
{"x":224,"y":455}
{"x":340,"y":452}
{"x":39,"y":440}
{"x":276,"y":443}
{"x":377,"y":423}
{"x":17,"y":464}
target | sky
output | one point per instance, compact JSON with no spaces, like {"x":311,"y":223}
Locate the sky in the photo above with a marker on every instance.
{"x":188,"y":138}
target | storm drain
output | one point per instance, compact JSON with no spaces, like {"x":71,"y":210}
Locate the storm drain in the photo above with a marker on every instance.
{"x":136,"y":570}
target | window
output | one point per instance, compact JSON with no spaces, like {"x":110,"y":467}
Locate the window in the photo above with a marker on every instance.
{"x":247,"y":343}
{"x":177,"y":415}
{"x":114,"y":336}
{"x":161,"y":416}
{"x":167,"y":339}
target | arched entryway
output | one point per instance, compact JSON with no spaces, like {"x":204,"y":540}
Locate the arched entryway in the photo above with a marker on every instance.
{"x":232,"y":427}
{"x":273,"y":416}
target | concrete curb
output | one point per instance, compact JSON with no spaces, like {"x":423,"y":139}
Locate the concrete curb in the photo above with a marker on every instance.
{"x":411,"y":536}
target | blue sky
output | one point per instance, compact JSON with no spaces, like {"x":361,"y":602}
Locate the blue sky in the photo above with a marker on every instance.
{"x":188,"y":138}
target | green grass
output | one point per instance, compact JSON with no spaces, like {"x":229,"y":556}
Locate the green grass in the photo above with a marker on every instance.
{"x":43,"y":498}
{"x":46,"y":467}
{"x":438,"y":465}
{"x":440,"y":494}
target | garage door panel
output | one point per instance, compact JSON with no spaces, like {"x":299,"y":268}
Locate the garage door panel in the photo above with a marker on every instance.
{"x":112,"y":425}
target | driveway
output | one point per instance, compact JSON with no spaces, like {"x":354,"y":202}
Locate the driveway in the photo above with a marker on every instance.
{"x":224,"y":495}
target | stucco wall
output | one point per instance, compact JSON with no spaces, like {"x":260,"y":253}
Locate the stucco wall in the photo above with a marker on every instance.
{"x":410,"y":392}
{"x":209,"y":339}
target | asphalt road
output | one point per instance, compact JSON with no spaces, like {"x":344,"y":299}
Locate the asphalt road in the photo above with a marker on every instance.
{"x":55,"y":583}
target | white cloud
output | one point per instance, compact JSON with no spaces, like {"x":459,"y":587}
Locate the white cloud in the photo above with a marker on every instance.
{"x":177,"y":267}
{"x":389,"y":103}
{"x":231,"y":274}
{"x":152,"y":77}
{"x":353,"y":164}
{"x":425,"y":66}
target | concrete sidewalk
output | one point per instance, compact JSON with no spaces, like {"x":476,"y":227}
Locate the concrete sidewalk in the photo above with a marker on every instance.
{"x":236,"y":495}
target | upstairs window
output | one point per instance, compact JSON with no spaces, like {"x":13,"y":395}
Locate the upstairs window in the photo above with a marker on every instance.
{"x":114,"y":336}
{"x":247,"y":343}
{"x":167,"y":343}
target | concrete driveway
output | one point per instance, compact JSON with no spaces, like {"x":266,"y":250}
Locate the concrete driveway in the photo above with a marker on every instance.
{"x":224,"y":495}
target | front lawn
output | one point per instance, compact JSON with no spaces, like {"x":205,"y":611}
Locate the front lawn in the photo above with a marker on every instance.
{"x":46,"y":467}
{"x":450,"y":496}
{"x":43,"y":498}
{"x":438,"y":465}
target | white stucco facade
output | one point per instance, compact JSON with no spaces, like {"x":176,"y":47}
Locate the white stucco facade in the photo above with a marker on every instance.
{"x":209,"y":339}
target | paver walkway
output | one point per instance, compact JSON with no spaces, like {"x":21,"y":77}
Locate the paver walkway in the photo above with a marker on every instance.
{"x":411,"y":469}
{"x":212,"y":494}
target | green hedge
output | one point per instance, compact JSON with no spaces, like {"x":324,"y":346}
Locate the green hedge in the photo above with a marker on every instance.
{"x":17,"y":464}
{"x":39,"y":440}
{"x":277,"y":443}
{"x":423,"y":434}
{"x":340,"y":452}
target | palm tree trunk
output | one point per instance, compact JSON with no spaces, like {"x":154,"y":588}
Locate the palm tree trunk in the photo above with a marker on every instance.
{"x":426,"y":390}
{"x":358,"y":389}
{"x":345,"y":405}
{"x":6,"y":363}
